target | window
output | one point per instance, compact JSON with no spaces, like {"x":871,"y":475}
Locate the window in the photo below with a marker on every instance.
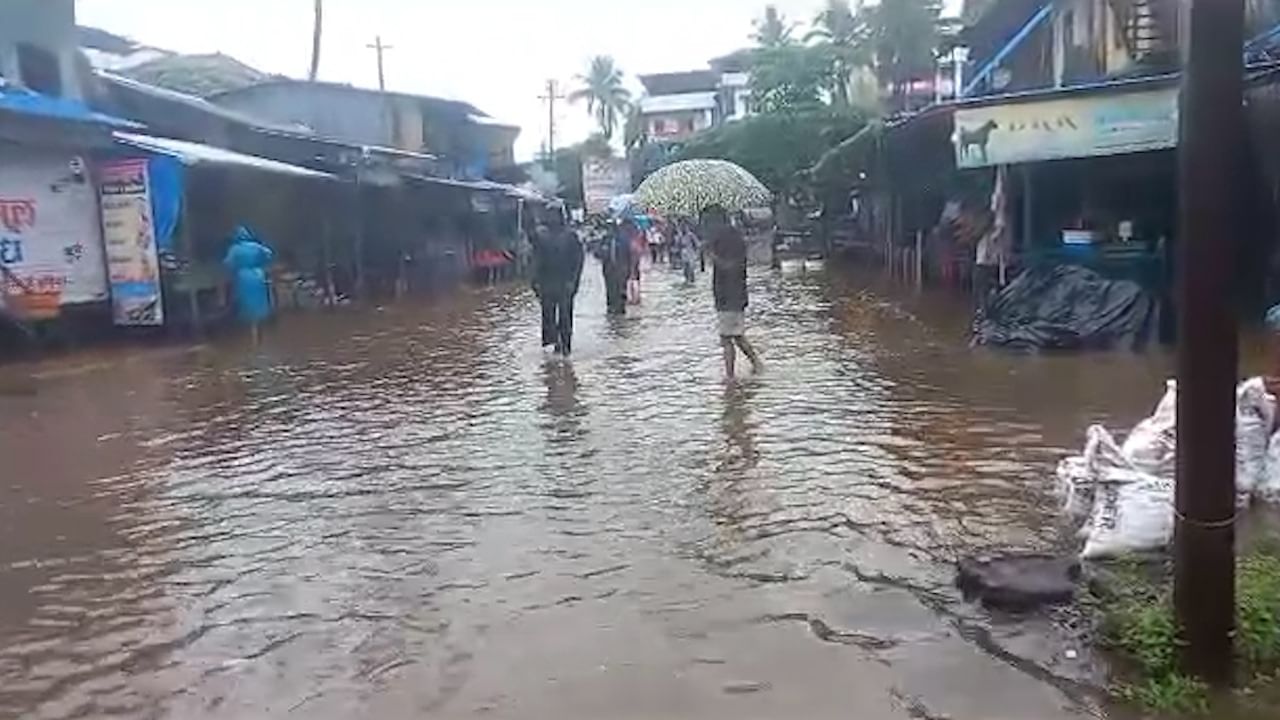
{"x":689,"y":125}
{"x":39,"y":69}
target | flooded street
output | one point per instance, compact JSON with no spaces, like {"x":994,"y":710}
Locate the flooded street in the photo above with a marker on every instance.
{"x":412,"y":513}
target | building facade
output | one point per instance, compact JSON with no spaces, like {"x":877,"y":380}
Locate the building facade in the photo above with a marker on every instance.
{"x":466,"y":140}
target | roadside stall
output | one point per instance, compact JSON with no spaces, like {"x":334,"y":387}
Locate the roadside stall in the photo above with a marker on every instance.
{"x":168,"y":207}
{"x":1090,"y":174}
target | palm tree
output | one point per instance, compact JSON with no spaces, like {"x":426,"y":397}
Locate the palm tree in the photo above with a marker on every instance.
{"x":905,"y":37}
{"x":773,"y":30}
{"x":602,"y":88}
{"x":844,"y":33}
{"x":316,"y":29}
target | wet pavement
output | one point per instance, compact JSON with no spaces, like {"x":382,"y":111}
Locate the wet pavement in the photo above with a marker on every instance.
{"x":411,"y":512}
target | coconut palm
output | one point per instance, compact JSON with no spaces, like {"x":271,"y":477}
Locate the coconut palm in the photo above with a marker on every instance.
{"x":606,"y":97}
{"x":772,"y":29}
{"x":905,"y":37}
{"x":844,"y":32}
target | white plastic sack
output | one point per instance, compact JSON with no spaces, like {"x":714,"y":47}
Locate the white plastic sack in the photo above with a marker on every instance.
{"x":1152,"y":447}
{"x":1075,"y":487}
{"x":1255,"y":416}
{"x":1268,"y":489}
{"x":1132,"y":512}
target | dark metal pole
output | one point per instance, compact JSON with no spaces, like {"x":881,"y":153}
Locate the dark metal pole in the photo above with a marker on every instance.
{"x":1209,"y":159}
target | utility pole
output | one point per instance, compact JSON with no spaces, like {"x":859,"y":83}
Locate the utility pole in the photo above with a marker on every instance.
{"x":550,"y":98}
{"x":1210,"y":157}
{"x":379,"y":48}
{"x":317,"y":29}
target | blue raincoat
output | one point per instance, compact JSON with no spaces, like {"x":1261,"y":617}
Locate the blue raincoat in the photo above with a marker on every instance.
{"x":247,"y":260}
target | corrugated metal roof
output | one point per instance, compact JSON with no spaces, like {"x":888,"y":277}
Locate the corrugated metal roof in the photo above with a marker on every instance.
{"x":190,"y":153}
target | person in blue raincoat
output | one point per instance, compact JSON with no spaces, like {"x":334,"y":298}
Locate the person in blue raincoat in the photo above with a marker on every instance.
{"x":247,"y":261}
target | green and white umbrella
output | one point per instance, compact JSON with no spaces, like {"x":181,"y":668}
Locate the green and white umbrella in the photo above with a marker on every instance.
{"x":688,"y":187}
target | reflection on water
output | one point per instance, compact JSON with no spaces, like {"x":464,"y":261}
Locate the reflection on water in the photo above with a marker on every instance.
{"x":412,"y":511}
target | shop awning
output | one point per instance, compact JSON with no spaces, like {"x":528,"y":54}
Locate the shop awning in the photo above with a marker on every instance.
{"x":192,"y":153}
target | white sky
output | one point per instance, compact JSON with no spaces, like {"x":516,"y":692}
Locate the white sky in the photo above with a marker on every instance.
{"x":496,"y":54}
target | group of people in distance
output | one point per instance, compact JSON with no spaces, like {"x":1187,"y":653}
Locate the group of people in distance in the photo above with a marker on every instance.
{"x":559,"y":255}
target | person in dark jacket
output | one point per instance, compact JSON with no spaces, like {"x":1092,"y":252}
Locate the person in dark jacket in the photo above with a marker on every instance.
{"x":557,"y":270}
{"x":615,"y":262}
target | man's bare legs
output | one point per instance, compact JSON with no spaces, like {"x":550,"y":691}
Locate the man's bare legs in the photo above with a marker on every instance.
{"x":756,"y":366}
{"x":730,"y":345}
{"x":730,"y":356}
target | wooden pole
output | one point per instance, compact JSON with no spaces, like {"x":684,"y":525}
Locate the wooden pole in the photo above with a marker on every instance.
{"x":188,"y":249}
{"x":1209,"y":159}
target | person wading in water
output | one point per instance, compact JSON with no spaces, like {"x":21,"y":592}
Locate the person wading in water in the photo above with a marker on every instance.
{"x":729,"y":286}
{"x":557,"y":269}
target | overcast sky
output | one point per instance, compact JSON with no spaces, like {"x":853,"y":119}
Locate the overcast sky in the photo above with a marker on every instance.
{"x":496,"y":54}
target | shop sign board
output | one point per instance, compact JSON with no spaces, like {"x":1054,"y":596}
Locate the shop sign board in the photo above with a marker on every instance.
{"x":603,"y":179}
{"x":1074,"y":127}
{"x":129,"y":235}
{"x":50,"y":241}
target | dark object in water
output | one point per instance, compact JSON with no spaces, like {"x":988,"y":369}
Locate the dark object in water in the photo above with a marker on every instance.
{"x":1019,"y":582}
{"x":1067,"y":307}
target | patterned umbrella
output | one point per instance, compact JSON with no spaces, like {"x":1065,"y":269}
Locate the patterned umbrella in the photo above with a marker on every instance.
{"x":687,"y":188}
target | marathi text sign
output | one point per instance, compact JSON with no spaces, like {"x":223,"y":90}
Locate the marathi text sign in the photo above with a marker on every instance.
{"x":129,"y":236}
{"x":1066,"y":128}
{"x":50,"y":242}
{"x":603,"y":179}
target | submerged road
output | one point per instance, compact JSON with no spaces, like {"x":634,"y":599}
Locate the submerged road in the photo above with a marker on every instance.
{"x":410,"y":512}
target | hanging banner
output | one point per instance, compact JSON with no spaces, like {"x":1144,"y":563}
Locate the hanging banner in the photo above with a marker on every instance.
{"x":603,"y":179}
{"x":1110,"y":124}
{"x":50,"y":242}
{"x":129,"y":235}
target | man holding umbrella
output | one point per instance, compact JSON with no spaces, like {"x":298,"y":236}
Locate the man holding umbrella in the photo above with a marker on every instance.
{"x":729,"y":287}
{"x":712,"y":189}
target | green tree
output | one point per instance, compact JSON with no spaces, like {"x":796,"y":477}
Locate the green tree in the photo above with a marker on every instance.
{"x":905,"y":38}
{"x":772,"y":29}
{"x":606,"y":97}
{"x":777,"y":147}
{"x":845,"y":34}
{"x":790,"y":78}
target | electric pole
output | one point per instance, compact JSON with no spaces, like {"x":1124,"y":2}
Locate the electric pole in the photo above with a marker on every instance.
{"x":1210,"y":158}
{"x":550,"y":98}
{"x":379,"y":48}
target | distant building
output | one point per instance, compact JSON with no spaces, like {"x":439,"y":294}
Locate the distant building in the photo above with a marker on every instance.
{"x":469,"y":141}
{"x":678,"y":105}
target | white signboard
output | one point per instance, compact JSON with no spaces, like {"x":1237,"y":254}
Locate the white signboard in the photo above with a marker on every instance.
{"x":602,"y":180}
{"x":1111,"y":124}
{"x":131,"y":243}
{"x":50,"y":240}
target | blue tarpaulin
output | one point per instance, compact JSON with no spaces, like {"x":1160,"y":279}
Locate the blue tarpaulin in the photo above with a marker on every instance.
{"x":165,"y":177}
{"x":23,"y":101}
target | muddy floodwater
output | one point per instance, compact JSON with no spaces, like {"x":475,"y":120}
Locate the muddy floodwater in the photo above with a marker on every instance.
{"x":410,"y":512}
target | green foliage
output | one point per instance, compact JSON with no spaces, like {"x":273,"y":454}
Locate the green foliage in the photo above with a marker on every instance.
{"x":776,"y":147}
{"x":844,"y":34}
{"x":1138,"y":621}
{"x":772,"y":29}
{"x":790,"y":78}
{"x":1169,"y":693}
{"x":1258,"y":613}
{"x":904,"y":37}
{"x":603,"y":90}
